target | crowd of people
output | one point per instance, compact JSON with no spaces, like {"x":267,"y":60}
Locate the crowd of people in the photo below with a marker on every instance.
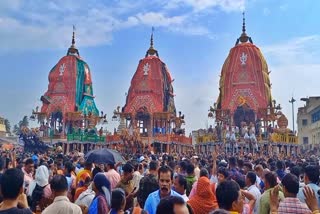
{"x":54,"y":183}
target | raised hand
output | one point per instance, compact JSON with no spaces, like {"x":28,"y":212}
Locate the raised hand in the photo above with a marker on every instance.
{"x":311,"y":199}
{"x":274,"y":199}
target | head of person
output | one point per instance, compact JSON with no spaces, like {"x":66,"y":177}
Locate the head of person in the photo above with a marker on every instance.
{"x":311,"y":174}
{"x":153,"y":166}
{"x":259,"y":170}
{"x":59,"y":149}
{"x":60,"y":158}
{"x":232,"y":162}
{"x":141,"y":168}
{"x":240,"y":163}
{"x":81,"y":162}
{"x":241,"y":181}
{"x":203,"y":190}
{"x":118,"y":199}
{"x":29,"y":165}
{"x":180,"y":184}
{"x":68,"y":168}
{"x":101,"y":166}
{"x":59,"y":185}
{"x":173,"y":165}
{"x":290,"y":185}
{"x":183,"y":166}
{"x":251,"y":178}
{"x":12,"y":184}
{"x":95,"y":171}
{"x":110,"y":166}
{"x":101,"y":185}
{"x":190,"y":169}
{"x":85,"y":179}
{"x":247,"y":167}
{"x":172,"y":205}
{"x":42,"y":176}
{"x":135,"y":164}
{"x":165,"y":177}
{"x":88,"y":165}
{"x":229,"y":196}
{"x":296,"y":170}
{"x":270,"y":180}
{"x":128,"y":170}
{"x":223,"y":174}
{"x":204,"y":172}
{"x":75,"y":159}
{"x":280,"y":165}
{"x":50,"y":163}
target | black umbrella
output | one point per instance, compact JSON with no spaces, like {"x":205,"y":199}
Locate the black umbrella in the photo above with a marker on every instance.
{"x":104,"y":156}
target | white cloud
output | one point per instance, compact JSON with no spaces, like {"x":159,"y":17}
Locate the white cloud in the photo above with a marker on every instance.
{"x":295,"y":66}
{"x":193,"y":30}
{"x":195,"y":102}
{"x":297,"y":50}
{"x":159,"y":19}
{"x":199,"y":5}
{"x":33,"y":25}
{"x":283,"y":7}
{"x":266,"y":11}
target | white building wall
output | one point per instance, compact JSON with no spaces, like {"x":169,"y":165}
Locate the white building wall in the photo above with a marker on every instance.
{"x":309,"y":131}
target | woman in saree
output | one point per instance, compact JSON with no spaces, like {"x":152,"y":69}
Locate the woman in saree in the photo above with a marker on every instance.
{"x":102,"y":201}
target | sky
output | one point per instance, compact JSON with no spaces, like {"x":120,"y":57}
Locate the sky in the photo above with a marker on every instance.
{"x":193,"y":37}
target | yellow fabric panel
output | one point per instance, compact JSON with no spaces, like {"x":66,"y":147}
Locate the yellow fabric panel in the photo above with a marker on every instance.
{"x":2,"y":128}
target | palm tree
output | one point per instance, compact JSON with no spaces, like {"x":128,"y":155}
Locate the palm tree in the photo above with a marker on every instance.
{"x":16,"y":129}
{"x":8,"y":126}
{"x":24,"y":122}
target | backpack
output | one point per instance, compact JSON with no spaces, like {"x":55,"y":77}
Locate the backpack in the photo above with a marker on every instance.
{"x":36,"y":196}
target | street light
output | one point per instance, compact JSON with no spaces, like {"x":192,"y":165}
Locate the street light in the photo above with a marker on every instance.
{"x":292,"y":102}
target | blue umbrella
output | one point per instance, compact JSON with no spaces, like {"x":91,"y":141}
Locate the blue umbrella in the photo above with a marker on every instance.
{"x":101,"y":156}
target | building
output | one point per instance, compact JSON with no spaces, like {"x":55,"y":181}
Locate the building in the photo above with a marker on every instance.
{"x":247,"y":117}
{"x":68,"y":113}
{"x":69,"y":99}
{"x":149,"y":119}
{"x":3,"y":129}
{"x":309,"y":123}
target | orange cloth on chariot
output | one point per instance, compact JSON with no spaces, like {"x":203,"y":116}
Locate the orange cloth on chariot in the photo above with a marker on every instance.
{"x":204,"y":201}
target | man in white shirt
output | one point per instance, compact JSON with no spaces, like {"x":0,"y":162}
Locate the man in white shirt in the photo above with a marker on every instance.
{"x":196,"y":166}
{"x":180,"y":186}
{"x":251,"y":178}
{"x":311,"y":178}
{"x":28,"y":170}
{"x":61,"y":203}
{"x":136,"y":176}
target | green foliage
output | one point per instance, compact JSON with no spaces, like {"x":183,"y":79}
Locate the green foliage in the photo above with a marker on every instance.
{"x":24,"y":122}
{"x":8,"y":125}
{"x":16,"y":129}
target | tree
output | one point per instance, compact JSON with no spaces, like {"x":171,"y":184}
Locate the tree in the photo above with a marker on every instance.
{"x":24,"y":122}
{"x":16,"y":129}
{"x":8,"y":125}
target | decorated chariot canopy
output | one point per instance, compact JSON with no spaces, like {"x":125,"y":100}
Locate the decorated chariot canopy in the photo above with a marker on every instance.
{"x":151,"y":87}
{"x":245,"y":88}
{"x":245,"y":112}
{"x":149,"y":115}
{"x":70,"y":87}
